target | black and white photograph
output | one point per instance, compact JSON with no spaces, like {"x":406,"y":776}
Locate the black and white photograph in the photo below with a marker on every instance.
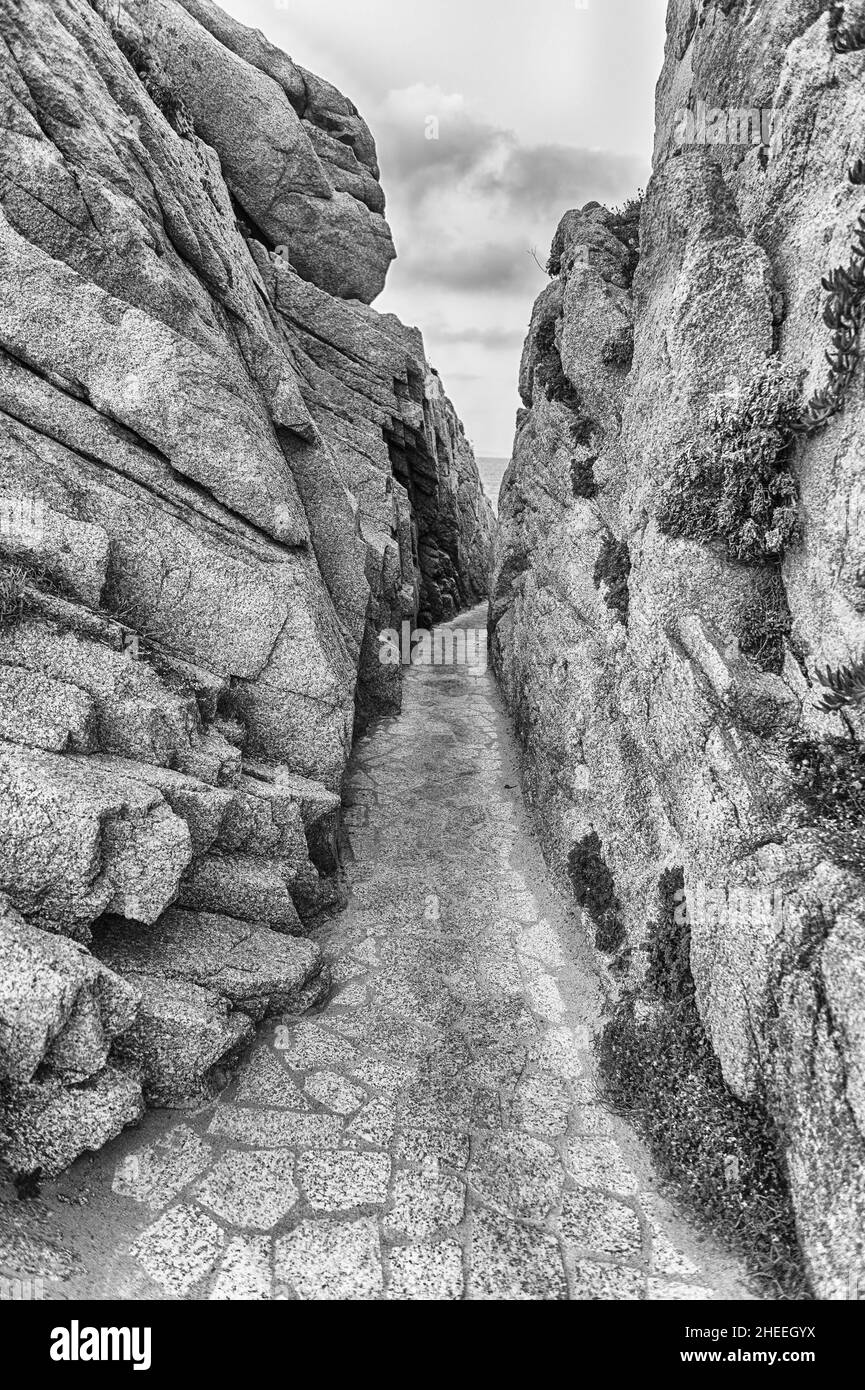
{"x":432,"y":670}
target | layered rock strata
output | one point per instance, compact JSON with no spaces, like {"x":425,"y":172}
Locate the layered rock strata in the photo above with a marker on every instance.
{"x":222,"y":474}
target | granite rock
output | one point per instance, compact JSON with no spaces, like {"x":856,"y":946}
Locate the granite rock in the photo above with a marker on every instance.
{"x":646,"y":720}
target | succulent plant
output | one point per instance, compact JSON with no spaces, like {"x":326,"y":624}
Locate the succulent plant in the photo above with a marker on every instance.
{"x":844,"y":687}
{"x":844,"y":314}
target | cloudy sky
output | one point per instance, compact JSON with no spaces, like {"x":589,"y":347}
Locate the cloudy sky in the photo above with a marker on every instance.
{"x":538,"y":107}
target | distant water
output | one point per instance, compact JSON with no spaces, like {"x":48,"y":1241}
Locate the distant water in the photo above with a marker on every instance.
{"x":492,"y":471}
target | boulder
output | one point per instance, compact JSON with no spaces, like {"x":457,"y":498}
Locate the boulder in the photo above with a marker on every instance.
{"x":60,"y":1008}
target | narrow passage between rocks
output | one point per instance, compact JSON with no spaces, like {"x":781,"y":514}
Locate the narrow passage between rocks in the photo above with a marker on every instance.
{"x":434,"y":1132}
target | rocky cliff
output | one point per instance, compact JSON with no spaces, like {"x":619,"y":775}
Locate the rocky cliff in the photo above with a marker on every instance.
{"x":682,"y":554}
{"x":221,"y":475}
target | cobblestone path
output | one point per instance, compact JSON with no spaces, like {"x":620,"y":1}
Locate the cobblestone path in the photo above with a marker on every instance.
{"x":433,"y":1133}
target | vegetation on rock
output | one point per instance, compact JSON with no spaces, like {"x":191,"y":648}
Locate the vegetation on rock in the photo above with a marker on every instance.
{"x":595,"y":892}
{"x":765,"y":627}
{"x":619,"y":350}
{"x":613,"y":570}
{"x":845,"y":687}
{"x":829,"y":782}
{"x":549,"y":370}
{"x":20,"y":583}
{"x":583,"y":477}
{"x":844,"y":314}
{"x":626,"y":226}
{"x":724,"y":1155}
{"x":13,"y":594}
{"x":736,"y":485}
{"x":845,"y":38}
{"x":172,"y":107}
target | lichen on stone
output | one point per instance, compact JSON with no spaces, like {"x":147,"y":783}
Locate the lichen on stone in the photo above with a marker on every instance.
{"x":735,"y":484}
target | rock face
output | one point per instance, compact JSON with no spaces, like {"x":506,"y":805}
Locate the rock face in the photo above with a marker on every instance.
{"x":222,"y":474}
{"x":662,"y":678}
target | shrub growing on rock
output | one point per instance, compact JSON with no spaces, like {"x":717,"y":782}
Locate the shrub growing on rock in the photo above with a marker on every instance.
{"x":613,"y":570}
{"x":736,"y":484}
{"x":595,"y":892}
{"x":549,"y":370}
{"x":619,"y":350}
{"x":724,"y":1155}
{"x":557,"y":250}
{"x":20,"y":584}
{"x":172,"y":107}
{"x":13,"y":594}
{"x":765,"y":627}
{"x":668,"y":948}
{"x":583,"y":477}
{"x":625,"y":225}
{"x":829,"y":783}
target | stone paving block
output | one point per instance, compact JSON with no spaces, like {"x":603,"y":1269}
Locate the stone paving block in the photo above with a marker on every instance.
{"x":157,"y":1174}
{"x":562,"y":1052}
{"x":367,"y":953}
{"x":375,"y":1027}
{"x":304,"y":1045}
{"x":601,"y":1225}
{"x":541,"y":1105}
{"x":339,"y":1181}
{"x":541,"y":942}
{"x":266,"y":1082}
{"x":426,"y":1272}
{"x":545,"y":999}
{"x":244,"y":1274}
{"x":179,"y":1249}
{"x":353,"y":994}
{"x":660,"y":1290}
{"x":441,"y":1145}
{"x":514,"y":1262}
{"x":496,"y":974}
{"x":498,"y":1022}
{"x":599,"y":1163}
{"x":606,"y":1283}
{"x":666,"y":1259}
{"x":520,"y":904}
{"x":276,"y":1129}
{"x":332,"y":1090}
{"x":383,"y":1076}
{"x":593,"y":1119}
{"x":423,"y":1206}
{"x":253,"y":1189}
{"x":430,"y":1104}
{"x":326,"y":1260}
{"x":373,"y":1125}
{"x":517,"y":1174}
{"x":345,"y":968}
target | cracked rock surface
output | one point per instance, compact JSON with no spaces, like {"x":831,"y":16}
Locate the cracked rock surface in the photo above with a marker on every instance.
{"x":222,"y":475}
{"x":433,"y":1131}
{"x":655,"y":714}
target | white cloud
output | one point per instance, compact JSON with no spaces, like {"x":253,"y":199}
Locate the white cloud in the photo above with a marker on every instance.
{"x":525,"y":99}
